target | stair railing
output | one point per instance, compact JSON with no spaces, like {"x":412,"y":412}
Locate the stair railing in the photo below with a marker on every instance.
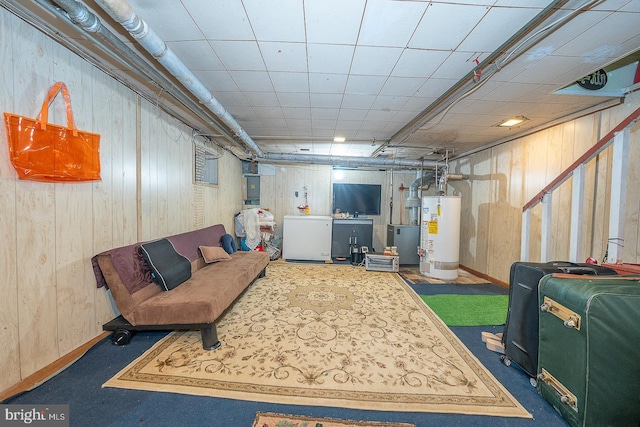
{"x":619,"y":136}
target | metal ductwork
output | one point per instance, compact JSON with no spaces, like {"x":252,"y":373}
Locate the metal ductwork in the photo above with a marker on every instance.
{"x":152,"y":43}
{"x":428,"y":178}
{"x":348,"y":161}
{"x":110,"y":43}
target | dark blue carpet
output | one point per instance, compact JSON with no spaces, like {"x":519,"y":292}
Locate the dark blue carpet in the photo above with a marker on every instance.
{"x":90,"y":405}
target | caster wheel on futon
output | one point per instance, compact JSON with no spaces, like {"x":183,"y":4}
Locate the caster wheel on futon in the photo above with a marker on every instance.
{"x":121,"y":337}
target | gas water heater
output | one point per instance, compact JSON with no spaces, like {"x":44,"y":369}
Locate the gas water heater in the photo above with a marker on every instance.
{"x":440,"y":237}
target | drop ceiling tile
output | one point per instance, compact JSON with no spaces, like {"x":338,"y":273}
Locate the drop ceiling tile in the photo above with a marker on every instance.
{"x":348,"y":127}
{"x":389,"y":103}
{"x":604,"y":36}
{"x":398,"y":20}
{"x":436,"y":87}
{"x":350,"y":114}
{"x":324,"y":25}
{"x":416,"y":104}
{"x":419,"y":62}
{"x":232,"y":99}
{"x":402,"y":86}
{"x":325,"y":100}
{"x":217,"y":81}
{"x":170,"y":20}
{"x":294,"y":100}
{"x":297,"y":113}
{"x":284,"y":56}
{"x":375,"y":61}
{"x":269,"y":113}
{"x":365,"y":85}
{"x":262,"y":99}
{"x":324,"y":114}
{"x":456,"y":66}
{"x":290,"y":82}
{"x":486,"y":38}
{"x":327,"y":83}
{"x":226,"y":21}
{"x":245,"y":114}
{"x":437,"y":21}
{"x":327,"y":124}
{"x":252,"y":81}
{"x":239,"y":55}
{"x":196,"y":55}
{"x":283,"y":22}
{"x":547,"y":71}
{"x":352,"y":101}
{"x":330,"y":59}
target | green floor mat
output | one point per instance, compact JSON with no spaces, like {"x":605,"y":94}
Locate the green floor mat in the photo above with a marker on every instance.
{"x":469,"y":310}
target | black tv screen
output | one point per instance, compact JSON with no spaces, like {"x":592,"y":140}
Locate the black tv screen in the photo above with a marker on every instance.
{"x":363,"y":199}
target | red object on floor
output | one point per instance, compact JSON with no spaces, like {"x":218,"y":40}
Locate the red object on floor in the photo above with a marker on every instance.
{"x":623,"y":269}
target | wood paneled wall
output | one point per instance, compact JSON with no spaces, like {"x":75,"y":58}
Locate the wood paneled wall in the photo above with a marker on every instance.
{"x":50,"y":304}
{"x":504,"y":178}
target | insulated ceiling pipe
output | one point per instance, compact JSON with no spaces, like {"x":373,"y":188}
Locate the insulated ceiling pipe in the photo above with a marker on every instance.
{"x":152,"y":43}
{"x":517,"y":45}
{"x":347,"y":161}
{"x":115,"y":48}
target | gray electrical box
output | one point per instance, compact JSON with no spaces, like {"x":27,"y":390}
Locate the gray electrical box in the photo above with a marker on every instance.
{"x":253,"y":190}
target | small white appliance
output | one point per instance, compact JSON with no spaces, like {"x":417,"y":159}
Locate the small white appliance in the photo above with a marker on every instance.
{"x":307,"y":237}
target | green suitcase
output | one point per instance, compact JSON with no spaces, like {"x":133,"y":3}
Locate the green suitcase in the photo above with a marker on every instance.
{"x":589,"y":352}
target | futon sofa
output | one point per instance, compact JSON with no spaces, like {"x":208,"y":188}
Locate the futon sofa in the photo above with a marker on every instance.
{"x":167,"y":283}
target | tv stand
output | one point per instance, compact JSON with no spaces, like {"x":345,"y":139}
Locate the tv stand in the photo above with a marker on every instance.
{"x":343,"y":229}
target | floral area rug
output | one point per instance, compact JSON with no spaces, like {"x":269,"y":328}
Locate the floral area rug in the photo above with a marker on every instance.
{"x":327,"y":335}
{"x":269,"y":419}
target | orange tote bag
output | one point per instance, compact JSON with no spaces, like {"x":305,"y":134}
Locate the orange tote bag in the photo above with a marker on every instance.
{"x":42,"y":151}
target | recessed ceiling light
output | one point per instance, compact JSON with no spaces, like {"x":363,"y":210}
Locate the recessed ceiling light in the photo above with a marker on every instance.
{"x":512,"y":121}
{"x":339,"y":139}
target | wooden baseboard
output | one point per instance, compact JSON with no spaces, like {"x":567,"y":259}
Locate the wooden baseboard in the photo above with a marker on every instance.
{"x":484,"y":276}
{"x":51,"y":369}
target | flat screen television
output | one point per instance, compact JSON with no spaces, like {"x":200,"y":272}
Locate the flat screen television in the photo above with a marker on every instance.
{"x":363,"y":199}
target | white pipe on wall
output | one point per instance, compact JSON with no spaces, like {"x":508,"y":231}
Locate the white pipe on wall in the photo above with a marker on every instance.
{"x":122,"y":12}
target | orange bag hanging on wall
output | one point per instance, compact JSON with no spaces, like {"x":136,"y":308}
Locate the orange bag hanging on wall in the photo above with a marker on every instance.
{"x":42,"y":151}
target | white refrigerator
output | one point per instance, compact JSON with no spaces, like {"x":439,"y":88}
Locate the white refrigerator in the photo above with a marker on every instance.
{"x":306,"y":237}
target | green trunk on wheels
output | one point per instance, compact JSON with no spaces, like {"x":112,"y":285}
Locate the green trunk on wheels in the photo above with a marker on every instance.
{"x":589,"y":351}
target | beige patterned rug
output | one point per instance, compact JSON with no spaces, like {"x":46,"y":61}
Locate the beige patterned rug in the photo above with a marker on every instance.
{"x":327,"y":335}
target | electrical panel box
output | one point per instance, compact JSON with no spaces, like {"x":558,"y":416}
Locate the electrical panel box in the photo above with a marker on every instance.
{"x":253,"y":190}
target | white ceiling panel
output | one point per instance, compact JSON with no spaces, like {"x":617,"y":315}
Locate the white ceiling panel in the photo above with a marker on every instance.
{"x":294,"y":73}
{"x":419,"y":63}
{"x":239,"y":55}
{"x":252,"y":81}
{"x":489,"y":34}
{"x":197,"y":55}
{"x":325,"y":25}
{"x":281,"y":21}
{"x":226,"y":21}
{"x":330,"y":59}
{"x":375,"y":61}
{"x":290,"y":82}
{"x":438,"y":21}
{"x":390,"y":23}
{"x":327,"y":83}
{"x":284,"y":56}
{"x":170,"y":20}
